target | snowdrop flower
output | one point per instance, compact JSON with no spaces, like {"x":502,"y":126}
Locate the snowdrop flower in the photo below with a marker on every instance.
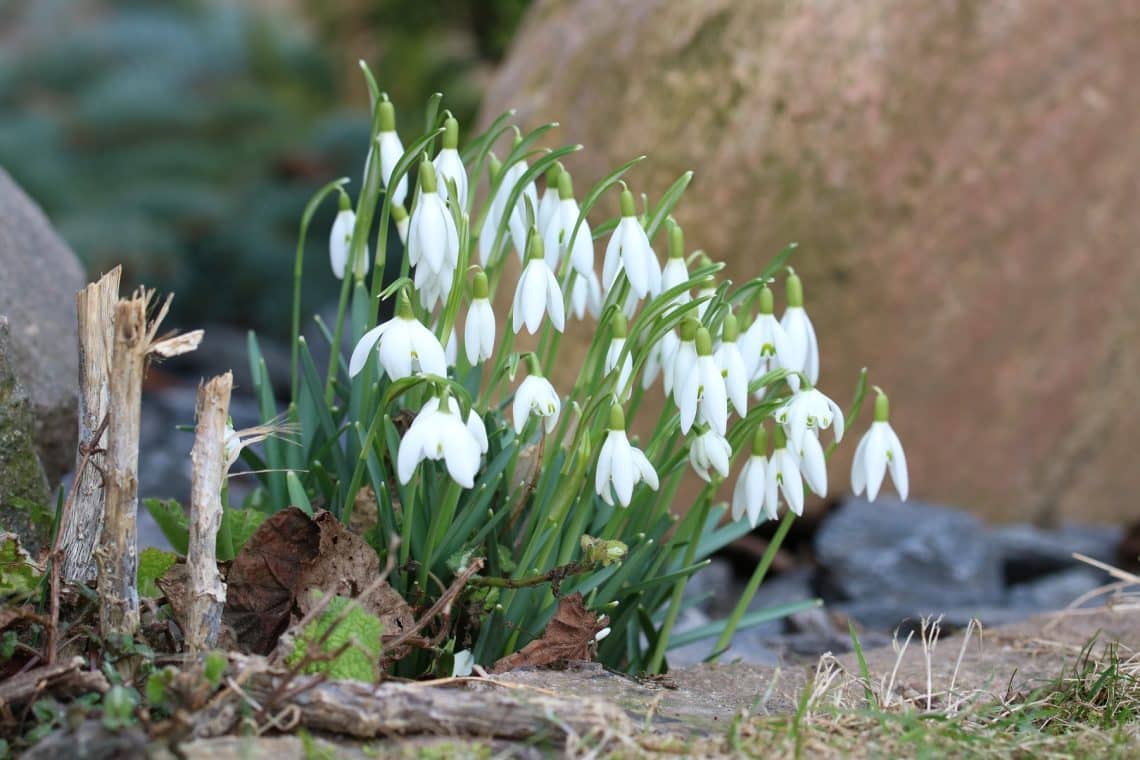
{"x":803,"y":346}
{"x":391,"y":151}
{"x":878,"y":451}
{"x":813,"y":463}
{"x":621,"y":465}
{"x":623,"y":388}
{"x":404,"y":345}
{"x":684,"y":358}
{"x":783,"y":478}
{"x":400,"y":219}
{"x":764,"y":345}
{"x":752,"y":484}
{"x":340,"y":242}
{"x":710,"y":450}
{"x":629,"y":251}
{"x":550,"y":197}
{"x":451,"y":349}
{"x":462,"y":664}
{"x":535,"y":395}
{"x":585,"y":295}
{"x":732,"y":365}
{"x":676,"y":272}
{"x":808,"y":408}
{"x":438,"y":432}
{"x":560,"y":227}
{"x":538,"y":292}
{"x":702,"y":390}
{"x":449,"y":166}
{"x":660,"y":361}
{"x":517,"y":221}
{"x":432,"y":238}
{"x":479,"y":331}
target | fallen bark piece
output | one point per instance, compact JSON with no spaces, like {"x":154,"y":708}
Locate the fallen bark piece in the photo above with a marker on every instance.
{"x":570,"y":635}
{"x":364,"y":711}
{"x":63,"y":679}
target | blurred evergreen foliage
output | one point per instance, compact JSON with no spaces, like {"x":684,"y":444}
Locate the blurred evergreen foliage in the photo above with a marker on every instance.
{"x":181,"y":139}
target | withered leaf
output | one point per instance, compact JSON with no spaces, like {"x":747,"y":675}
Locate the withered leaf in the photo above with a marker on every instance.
{"x":347,"y":566}
{"x":568,"y":636}
{"x":262,"y":582}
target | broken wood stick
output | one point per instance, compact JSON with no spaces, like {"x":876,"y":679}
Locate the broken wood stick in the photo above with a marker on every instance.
{"x":117,"y":554}
{"x":81,"y":523}
{"x":206,"y":590}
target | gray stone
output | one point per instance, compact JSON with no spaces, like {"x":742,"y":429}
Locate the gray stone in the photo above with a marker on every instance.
{"x":24,"y":496}
{"x":1029,"y":552}
{"x":1058,"y":590}
{"x":914,"y":556}
{"x":39,"y":280}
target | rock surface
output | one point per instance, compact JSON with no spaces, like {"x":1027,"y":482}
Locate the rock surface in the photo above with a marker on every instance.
{"x":959,"y":177}
{"x":39,"y":277}
{"x":24,"y":492}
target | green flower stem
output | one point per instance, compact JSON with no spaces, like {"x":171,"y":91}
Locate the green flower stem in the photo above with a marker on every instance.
{"x":439,"y":525}
{"x":338,"y":330}
{"x":753,"y":585}
{"x":554,"y":575}
{"x":658,"y":656}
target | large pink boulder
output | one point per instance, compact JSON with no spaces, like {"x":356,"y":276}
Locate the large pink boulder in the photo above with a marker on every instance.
{"x":963,"y":179}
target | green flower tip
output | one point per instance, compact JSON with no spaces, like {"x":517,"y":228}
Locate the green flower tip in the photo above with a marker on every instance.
{"x":704,"y":342}
{"x":387,"y":113}
{"x":565,"y":185}
{"x":780,"y":439}
{"x":534,"y":249}
{"x":451,"y":133}
{"x":676,"y":240}
{"x":494,"y":166}
{"x":552,"y":174}
{"x":882,"y":406}
{"x":767,"y":302}
{"x":404,"y":304}
{"x":760,"y":442}
{"x":689,"y":328}
{"x":427,"y":176}
{"x":618,"y":325}
{"x":628,"y":207}
{"x":345,"y":202}
{"x":617,"y":417}
{"x":532,"y":364}
{"x":730,"y":330}
{"x":518,"y":138}
{"x":480,"y":288}
{"x":399,"y":213}
{"x":795,"y":290}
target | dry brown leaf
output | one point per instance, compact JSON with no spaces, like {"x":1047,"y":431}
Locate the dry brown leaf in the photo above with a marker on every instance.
{"x":347,"y":566}
{"x":262,"y":581}
{"x":570,"y":635}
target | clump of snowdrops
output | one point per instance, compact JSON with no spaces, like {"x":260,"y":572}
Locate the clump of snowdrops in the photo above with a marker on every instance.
{"x":444,"y":425}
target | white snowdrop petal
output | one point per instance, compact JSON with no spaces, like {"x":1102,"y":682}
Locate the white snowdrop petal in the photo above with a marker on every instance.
{"x":876,"y":461}
{"x":363,"y":349}
{"x":897,"y":464}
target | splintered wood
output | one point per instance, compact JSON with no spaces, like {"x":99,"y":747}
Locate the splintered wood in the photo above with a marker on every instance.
{"x":206,"y":589}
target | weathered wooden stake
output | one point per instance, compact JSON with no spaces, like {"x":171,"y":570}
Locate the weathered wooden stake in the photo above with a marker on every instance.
{"x":117,"y":555}
{"x":207,"y":592}
{"x":79,"y":531}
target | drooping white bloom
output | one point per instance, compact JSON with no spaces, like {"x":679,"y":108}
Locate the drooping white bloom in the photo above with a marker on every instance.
{"x":438,"y":432}
{"x":710,"y":450}
{"x":400,"y":218}
{"x":585,"y":295}
{"x":803,"y":346}
{"x":623,"y":387}
{"x":405,"y":346}
{"x":676,"y":272}
{"x":660,"y":361}
{"x":433,"y":287}
{"x":751,"y":488}
{"x":432,"y":238}
{"x":549,"y":201}
{"x":340,"y":243}
{"x":478,"y":430}
{"x":516,"y":215}
{"x":879,"y":450}
{"x":535,"y":395}
{"x":813,"y":464}
{"x":765,"y":345}
{"x":783,"y":478}
{"x":479,"y":332}
{"x":629,"y":251}
{"x":537,"y":293}
{"x":448,"y":164}
{"x":701,"y":393}
{"x":621,"y":465}
{"x":560,"y":228}
{"x":391,"y":151}
{"x":732,"y":366}
{"x":808,"y":408}
{"x":684,"y":358}
{"x":462,"y":664}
